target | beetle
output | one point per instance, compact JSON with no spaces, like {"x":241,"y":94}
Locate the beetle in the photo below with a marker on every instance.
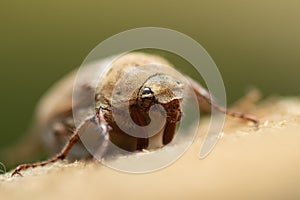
{"x":155,"y":85}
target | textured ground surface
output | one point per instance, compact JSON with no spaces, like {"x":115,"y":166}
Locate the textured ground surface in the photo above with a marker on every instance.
{"x":245,"y":164}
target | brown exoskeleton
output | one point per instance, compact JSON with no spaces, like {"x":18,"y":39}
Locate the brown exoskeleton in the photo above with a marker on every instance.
{"x":56,"y":113}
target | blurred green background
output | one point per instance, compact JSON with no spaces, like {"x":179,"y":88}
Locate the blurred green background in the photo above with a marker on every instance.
{"x":254,"y":43}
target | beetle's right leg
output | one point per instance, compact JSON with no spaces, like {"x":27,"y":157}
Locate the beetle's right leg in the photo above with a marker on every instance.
{"x":204,"y":97}
{"x":62,"y":155}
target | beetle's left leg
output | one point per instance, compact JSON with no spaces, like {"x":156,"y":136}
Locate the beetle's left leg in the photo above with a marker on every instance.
{"x":204,"y":97}
{"x":169,"y":132}
{"x":64,"y":152}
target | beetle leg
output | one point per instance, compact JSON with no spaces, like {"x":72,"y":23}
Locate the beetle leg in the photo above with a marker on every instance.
{"x":169,"y":132}
{"x":64,"y":152}
{"x":203,"y":95}
{"x":140,"y":119}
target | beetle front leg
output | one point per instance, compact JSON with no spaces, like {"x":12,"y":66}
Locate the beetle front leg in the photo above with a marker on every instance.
{"x":64,"y":152}
{"x":204,"y":96}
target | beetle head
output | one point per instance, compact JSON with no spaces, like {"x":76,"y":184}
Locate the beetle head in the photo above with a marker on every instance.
{"x":161,"y":89}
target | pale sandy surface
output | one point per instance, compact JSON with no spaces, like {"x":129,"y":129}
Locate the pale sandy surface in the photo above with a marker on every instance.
{"x":245,"y":164}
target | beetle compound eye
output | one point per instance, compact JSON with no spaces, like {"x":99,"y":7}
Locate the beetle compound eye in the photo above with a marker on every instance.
{"x":146,"y":91}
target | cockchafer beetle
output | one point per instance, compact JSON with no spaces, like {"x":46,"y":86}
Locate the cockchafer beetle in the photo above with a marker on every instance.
{"x":55,"y":114}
